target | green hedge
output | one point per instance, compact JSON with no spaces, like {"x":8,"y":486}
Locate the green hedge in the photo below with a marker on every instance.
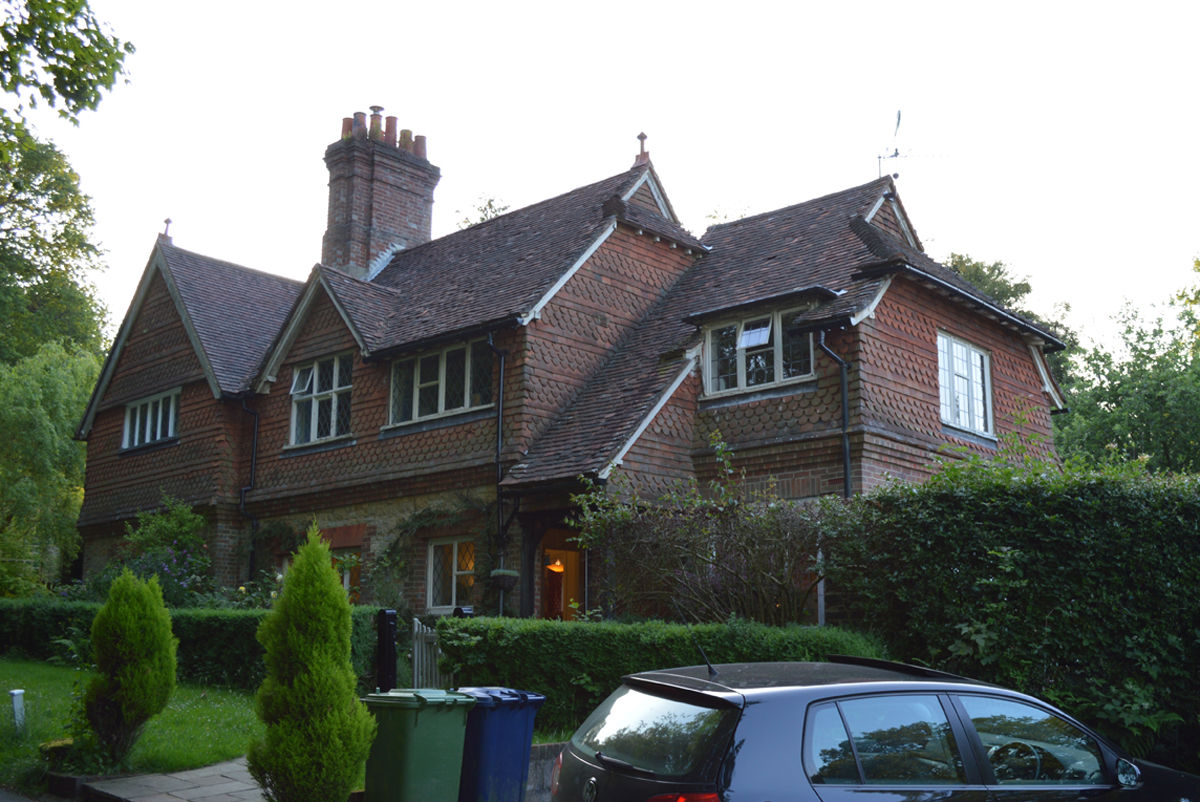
{"x":216,"y":646}
{"x":1079,"y":586}
{"x":575,"y":665}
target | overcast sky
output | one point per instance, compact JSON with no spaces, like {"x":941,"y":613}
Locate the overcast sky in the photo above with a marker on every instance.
{"x":1059,"y":138}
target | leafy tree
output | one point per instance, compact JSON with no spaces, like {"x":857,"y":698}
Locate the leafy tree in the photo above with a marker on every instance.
{"x":58,"y":53}
{"x":135,"y":664}
{"x":41,"y":465}
{"x":997,"y":280}
{"x":1143,"y":405}
{"x":485,"y":209}
{"x":318,"y":732}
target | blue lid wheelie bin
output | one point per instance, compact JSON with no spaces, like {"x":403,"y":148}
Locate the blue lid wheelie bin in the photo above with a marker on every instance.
{"x":496,"y":747}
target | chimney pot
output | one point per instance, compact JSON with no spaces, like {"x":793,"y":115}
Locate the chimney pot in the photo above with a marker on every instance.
{"x":406,"y":139}
{"x":419,"y":146}
{"x":360,"y":125}
{"x":390,"y":132}
{"x":347,"y":127}
{"x":376,"y":123}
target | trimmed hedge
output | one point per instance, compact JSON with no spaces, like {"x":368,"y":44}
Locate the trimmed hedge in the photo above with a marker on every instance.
{"x":577,"y":664}
{"x":216,"y":646}
{"x":1079,"y":586}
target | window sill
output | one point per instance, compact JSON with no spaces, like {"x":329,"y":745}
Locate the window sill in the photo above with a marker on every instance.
{"x":731,"y":397}
{"x":332,"y":444}
{"x":985,"y":440}
{"x":440,"y":422}
{"x":146,"y":448}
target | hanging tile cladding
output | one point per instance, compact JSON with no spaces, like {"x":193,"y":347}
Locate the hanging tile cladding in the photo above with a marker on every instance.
{"x":887,"y":220}
{"x":157,"y":355}
{"x":376,"y":460}
{"x":662,"y":457}
{"x":900,"y":372}
{"x":580,"y":328}
{"x":202,"y":467}
{"x":645,"y":198}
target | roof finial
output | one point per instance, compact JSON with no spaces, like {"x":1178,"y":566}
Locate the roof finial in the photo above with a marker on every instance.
{"x":167,"y":227}
{"x":643,"y":156}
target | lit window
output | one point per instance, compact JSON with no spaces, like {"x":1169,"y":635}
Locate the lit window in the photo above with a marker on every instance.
{"x":756,"y":352}
{"x":451,"y":575}
{"x":965,"y":385}
{"x":442,"y":382}
{"x":151,"y":420}
{"x":321,"y":400}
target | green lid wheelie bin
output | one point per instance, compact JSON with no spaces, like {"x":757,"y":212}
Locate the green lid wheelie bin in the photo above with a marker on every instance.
{"x":417,"y":753}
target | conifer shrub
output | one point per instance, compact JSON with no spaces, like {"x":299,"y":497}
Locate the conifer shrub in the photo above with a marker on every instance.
{"x":318,"y":732}
{"x":134,"y":653}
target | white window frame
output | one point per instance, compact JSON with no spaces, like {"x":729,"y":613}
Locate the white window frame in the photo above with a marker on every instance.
{"x":153,"y":419}
{"x":418,"y":381}
{"x":752,"y":337}
{"x":455,"y":572}
{"x":307,"y":399}
{"x":965,"y":385}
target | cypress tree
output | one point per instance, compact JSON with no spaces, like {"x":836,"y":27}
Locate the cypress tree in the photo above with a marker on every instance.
{"x":135,"y":664}
{"x":318,"y":732}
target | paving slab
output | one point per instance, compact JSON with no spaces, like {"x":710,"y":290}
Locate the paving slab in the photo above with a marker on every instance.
{"x":223,"y":782}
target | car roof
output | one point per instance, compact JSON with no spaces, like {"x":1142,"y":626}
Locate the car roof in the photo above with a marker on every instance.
{"x":745,"y":678}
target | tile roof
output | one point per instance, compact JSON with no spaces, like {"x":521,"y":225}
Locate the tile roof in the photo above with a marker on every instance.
{"x":493,"y":271}
{"x":823,"y":248}
{"x":235,"y":312}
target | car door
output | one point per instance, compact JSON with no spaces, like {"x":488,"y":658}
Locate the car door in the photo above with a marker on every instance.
{"x":1034,"y":755}
{"x":897,"y":747}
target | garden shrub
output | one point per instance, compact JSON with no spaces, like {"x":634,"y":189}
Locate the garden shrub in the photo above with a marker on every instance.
{"x":576,"y":664}
{"x":1075,"y":585}
{"x":134,"y":652}
{"x":318,"y":732}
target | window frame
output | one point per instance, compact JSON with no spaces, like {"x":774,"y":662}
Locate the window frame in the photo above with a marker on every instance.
{"x":418,"y":381}
{"x":312,"y":396}
{"x":131,"y":438}
{"x":745,"y":343}
{"x":979,"y":389}
{"x":455,"y":542}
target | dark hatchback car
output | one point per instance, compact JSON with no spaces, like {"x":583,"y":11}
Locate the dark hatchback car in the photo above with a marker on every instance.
{"x":848,"y":730}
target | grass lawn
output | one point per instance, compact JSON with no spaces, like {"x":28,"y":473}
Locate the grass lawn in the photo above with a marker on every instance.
{"x":200,"y":726}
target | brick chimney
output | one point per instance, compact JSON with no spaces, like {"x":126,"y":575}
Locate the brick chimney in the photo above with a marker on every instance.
{"x":380,"y":194}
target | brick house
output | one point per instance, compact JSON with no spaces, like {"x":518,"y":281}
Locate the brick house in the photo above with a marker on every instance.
{"x":409,"y":383}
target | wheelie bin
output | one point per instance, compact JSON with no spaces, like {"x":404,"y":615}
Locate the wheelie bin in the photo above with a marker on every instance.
{"x":417,"y":752}
{"x":495,"y":762}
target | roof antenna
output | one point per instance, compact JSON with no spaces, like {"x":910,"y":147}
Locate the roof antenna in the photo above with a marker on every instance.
{"x":895,"y":154}
{"x":712,"y":672}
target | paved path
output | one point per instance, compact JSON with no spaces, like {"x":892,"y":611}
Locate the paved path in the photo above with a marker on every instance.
{"x":224,"y":782}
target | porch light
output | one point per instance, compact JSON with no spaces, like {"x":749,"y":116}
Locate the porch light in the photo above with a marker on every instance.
{"x":556,"y":567}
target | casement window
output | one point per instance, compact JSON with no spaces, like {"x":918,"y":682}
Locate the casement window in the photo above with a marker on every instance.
{"x":151,"y":420}
{"x":444,"y":382}
{"x":321,"y":399}
{"x":965,"y":385}
{"x":451,"y":574}
{"x":756,"y":352}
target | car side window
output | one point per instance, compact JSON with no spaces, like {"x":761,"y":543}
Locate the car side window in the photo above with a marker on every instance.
{"x":902,"y":739}
{"x":1028,"y":745}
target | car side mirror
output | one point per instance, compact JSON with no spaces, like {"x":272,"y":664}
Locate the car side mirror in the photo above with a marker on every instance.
{"x":1128,"y":775}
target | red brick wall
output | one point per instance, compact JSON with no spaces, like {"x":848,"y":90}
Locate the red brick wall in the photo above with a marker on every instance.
{"x":583,"y":322}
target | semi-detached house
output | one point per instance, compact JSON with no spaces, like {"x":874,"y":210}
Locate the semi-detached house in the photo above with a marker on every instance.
{"x":586,"y":334}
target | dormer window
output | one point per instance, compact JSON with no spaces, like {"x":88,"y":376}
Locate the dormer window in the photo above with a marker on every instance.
{"x":321,"y":400}
{"x":443,"y":382}
{"x":756,"y":352}
{"x":151,"y":420}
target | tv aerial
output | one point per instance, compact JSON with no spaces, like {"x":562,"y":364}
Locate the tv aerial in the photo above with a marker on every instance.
{"x":895,"y":151}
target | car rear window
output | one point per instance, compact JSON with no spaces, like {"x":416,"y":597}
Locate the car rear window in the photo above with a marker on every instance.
{"x":669,"y":737}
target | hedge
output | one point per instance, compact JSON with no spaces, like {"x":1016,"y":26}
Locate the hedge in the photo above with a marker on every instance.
{"x":216,"y":646}
{"x":1079,"y":586}
{"x":577,"y":664}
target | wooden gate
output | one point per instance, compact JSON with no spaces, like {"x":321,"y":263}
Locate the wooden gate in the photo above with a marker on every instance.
{"x":425,"y":654}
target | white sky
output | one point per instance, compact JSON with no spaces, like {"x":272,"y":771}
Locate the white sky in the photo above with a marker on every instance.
{"x":1061,"y":138}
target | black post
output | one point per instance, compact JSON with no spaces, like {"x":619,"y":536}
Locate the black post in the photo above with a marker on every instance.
{"x":385,"y":650}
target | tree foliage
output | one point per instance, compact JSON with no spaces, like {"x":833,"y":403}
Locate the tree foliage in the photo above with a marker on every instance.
{"x":1139,"y":405}
{"x":318,"y":732}
{"x":134,"y":652}
{"x":57,"y":53}
{"x":485,"y":209}
{"x":41,"y":466}
{"x":702,"y":554}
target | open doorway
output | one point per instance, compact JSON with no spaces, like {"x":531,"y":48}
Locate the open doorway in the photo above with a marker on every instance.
{"x":562,"y":583}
